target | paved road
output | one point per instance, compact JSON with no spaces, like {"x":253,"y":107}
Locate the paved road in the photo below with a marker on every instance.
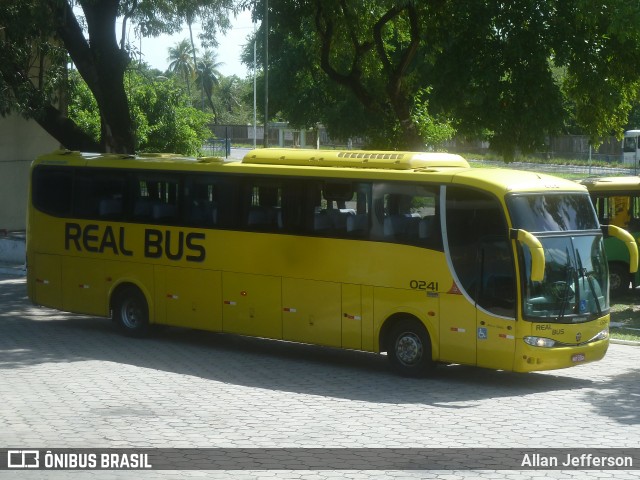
{"x":71,"y":381}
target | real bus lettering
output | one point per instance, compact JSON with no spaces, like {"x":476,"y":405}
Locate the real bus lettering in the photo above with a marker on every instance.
{"x":194,"y":247}
{"x":88,"y":239}
{"x":158,"y":244}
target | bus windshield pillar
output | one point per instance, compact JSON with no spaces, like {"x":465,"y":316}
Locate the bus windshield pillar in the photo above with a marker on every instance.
{"x":537,"y":252}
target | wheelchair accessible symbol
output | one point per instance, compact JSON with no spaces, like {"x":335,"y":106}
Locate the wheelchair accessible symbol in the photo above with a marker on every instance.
{"x":583,"y":306}
{"x":482,"y":333}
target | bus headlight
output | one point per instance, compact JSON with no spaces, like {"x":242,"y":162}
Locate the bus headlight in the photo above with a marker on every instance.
{"x":601,"y":335}
{"x":540,"y":342}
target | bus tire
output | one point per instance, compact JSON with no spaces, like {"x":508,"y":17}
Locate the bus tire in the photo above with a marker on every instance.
{"x":409,"y":348}
{"x":131,"y":312}
{"x":619,"y":278}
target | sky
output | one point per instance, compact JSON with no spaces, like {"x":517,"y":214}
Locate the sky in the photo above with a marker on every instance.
{"x":155,"y":50}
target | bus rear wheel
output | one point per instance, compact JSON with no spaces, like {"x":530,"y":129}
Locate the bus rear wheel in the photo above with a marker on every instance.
{"x":131,"y":312}
{"x":409,"y":349}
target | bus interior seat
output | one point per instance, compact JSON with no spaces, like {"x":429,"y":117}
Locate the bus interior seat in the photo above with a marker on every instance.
{"x":142,"y":207}
{"x":110,"y":207}
{"x":262,"y":216}
{"x":322,"y":222}
{"x":339,"y":217}
{"x":400,"y":225}
{"x":164,"y":211}
{"x":425,"y":227}
{"x":203,"y":212}
{"x":357,"y":224}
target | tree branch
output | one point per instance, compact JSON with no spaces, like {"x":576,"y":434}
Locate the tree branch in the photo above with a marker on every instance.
{"x":70,"y":32}
{"x":127,"y":15}
{"x":352,"y":80}
{"x":397,"y":73}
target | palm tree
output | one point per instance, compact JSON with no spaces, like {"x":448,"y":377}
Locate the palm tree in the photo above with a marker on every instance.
{"x":208,"y":77}
{"x":229,"y":91}
{"x":181,"y":61}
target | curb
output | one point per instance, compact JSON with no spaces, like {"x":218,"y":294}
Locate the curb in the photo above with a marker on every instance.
{"x":624,"y":342}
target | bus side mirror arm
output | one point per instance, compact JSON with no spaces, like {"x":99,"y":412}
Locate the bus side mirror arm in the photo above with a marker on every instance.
{"x":537,"y":252}
{"x":625,"y":237}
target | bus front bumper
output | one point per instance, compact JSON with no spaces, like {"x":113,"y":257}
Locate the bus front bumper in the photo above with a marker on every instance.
{"x":530,"y":359}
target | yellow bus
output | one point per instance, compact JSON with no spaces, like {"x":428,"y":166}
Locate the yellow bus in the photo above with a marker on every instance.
{"x":617,"y":202}
{"x":412,"y":254}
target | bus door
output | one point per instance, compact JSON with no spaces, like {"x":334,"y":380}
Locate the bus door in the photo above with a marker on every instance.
{"x":478,"y":312}
{"x":631,"y":147}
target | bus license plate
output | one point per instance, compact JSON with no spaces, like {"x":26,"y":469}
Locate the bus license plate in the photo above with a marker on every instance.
{"x":578,"y":357}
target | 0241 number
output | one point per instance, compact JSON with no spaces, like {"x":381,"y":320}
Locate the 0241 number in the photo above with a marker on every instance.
{"x":423,"y":285}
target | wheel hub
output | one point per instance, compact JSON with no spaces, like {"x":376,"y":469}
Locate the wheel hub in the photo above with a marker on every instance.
{"x":409,"y":348}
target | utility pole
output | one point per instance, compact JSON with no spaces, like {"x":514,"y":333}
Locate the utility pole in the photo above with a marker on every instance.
{"x":265,"y":139}
{"x":255,"y":119}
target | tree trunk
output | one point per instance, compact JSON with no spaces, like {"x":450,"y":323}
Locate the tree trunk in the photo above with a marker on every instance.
{"x":102,"y":65}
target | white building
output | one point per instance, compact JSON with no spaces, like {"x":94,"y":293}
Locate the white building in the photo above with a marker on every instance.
{"x":20,"y":142}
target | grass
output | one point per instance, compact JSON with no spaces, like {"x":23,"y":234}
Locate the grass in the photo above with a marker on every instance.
{"x":625,"y":317}
{"x":594,"y":162}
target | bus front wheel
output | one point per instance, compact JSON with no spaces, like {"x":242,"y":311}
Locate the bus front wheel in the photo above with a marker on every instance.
{"x":131,"y":312}
{"x":409,"y":348}
{"x":619,"y":278}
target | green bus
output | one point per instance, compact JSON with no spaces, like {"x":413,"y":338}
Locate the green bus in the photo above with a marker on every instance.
{"x":617,"y":202}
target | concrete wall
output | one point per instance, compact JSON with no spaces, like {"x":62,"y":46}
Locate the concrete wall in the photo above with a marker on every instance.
{"x":20,"y":142}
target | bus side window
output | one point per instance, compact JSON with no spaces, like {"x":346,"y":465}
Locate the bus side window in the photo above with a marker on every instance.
{"x":407,"y":214}
{"x":634,"y":223}
{"x":155,"y":199}
{"x":262,"y":205}
{"x":52,"y":190}
{"x":601,"y":209}
{"x":358,"y":224}
{"x":621,"y":210}
{"x":341,"y":209}
{"x":201,"y":202}
{"x":292,"y":204}
{"x":99,"y":194}
{"x":479,"y":249}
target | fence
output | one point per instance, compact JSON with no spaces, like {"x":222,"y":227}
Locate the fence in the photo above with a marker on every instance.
{"x":575,"y":147}
{"x":280,"y":132}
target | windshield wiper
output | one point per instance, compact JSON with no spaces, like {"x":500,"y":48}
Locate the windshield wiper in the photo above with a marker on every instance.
{"x":589,"y":278}
{"x":565,"y":293}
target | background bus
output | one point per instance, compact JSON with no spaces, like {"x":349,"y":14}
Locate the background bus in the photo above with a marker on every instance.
{"x":617,"y":202}
{"x":412,"y":254}
{"x":631,"y":148}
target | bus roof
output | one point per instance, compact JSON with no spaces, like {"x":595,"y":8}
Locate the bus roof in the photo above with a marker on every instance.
{"x":602,"y":184}
{"x":502,"y":181}
{"x":357,"y":164}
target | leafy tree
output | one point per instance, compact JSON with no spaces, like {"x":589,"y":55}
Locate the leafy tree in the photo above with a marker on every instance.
{"x":487,"y":66}
{"x":235,"y":100}
{"x":162,"y":115}
{"x":634,"y":119}
{"x":35,"y":35}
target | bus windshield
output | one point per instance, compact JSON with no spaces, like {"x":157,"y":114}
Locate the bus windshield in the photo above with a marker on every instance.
{"x":575,"y":285}
{"x":552,"y":212}
{"x":629,"y":144}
